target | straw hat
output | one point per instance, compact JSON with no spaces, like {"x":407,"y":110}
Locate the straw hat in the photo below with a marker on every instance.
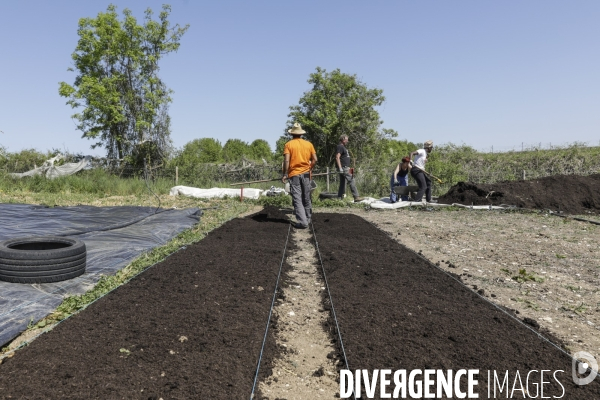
{"x":428,"y":144}
{"x":296,"y":129}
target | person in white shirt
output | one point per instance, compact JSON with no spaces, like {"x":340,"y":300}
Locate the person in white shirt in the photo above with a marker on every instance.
{"x":418,"y":171}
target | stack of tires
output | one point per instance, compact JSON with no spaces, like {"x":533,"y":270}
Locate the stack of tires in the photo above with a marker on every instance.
{"x":41,"y":259}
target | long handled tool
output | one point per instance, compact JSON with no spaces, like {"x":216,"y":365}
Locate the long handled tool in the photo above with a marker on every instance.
{"x":262,"y":181}
{"x":275,"y":179}
{"x":429,"y":174}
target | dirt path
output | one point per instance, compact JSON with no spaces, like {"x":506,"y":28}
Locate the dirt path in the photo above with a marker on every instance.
{"x":303,"y":370}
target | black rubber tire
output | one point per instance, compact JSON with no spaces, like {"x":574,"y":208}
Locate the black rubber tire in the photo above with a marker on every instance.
{"x":41,"y":259}
{"x":42,"y":278}
{"x":41,"y":248}
{"x":41,"y":268}
{"x":326,"y":195}
{"x":8,"y":263}
{"x":27,"y":273}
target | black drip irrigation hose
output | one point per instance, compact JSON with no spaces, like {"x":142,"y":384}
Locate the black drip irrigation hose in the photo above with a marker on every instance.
{"x":541,"y":210}
{"x":262,"y":348}
{"x":337,"y":325}
{"x":575,"y":218}
{"x":502,"y":309}
{"x":507,"y":207}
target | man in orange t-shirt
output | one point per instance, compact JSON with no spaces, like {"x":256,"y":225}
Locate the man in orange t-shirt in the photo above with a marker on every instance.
{"x":299,"y":158}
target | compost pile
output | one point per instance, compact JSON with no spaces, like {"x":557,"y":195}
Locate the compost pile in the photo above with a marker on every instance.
{"x":571,"y":194}
{"x":271,"y":214}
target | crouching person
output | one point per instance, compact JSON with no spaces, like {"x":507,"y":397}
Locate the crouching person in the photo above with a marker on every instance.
{"x":400,"y":178}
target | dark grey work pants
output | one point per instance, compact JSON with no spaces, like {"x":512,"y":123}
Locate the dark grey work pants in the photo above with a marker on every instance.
{"x":347,"y":177}
{"x":424,"y":184}
{"x":300,"y":191}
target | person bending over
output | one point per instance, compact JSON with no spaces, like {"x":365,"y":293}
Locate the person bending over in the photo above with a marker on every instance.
{"x":400,"y":178}
{"x":418,"y":171}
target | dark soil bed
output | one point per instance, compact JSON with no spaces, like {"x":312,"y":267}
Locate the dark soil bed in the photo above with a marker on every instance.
{"x":191,"y":327}
{"x":398,"y":311}
{"x":571,"y":194}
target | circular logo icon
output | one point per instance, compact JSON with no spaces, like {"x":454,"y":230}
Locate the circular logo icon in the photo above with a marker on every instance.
{"x":584,"y":368}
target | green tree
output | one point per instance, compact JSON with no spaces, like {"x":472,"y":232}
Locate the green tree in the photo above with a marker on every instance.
{"x":122,"y":102}
{"x":3,"y":156}
{"x":396,"y":149}
{"x":234,"y":150}
{"x":199,"y":151}
{"x":339,"y":104}
{"x":260,"y":150}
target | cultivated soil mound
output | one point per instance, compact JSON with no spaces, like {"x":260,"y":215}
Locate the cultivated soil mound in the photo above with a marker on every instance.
{"x":571,"y":194}
{"x":271,"y":214}
{"x":396,"y":309}
{"x":190,"y":327}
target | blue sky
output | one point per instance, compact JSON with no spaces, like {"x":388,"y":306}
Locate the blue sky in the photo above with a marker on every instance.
{"x":481,"y":73}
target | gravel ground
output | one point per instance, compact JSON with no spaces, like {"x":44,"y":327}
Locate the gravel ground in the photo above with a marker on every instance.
{"x":305,"y":368}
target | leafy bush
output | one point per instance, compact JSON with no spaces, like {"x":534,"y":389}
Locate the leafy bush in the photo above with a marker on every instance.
{"x":234,"y":150}
{"x":280,"y":201}
{"x":260,"y":150}
{"x":198,"y":151}
{"x":24,"y":160}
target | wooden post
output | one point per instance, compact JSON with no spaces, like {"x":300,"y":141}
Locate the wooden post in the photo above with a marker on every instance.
{"x":327,"y":179}
{"x":176,"y":175}
{"x":523,"y":174}
{"x":242,"y":195}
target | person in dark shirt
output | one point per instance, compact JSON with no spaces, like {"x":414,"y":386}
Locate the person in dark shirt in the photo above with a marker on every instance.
{"x":342,"y":161}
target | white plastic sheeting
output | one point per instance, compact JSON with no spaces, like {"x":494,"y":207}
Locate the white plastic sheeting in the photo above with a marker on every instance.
{"x":51,"y":171}
{"x":113,"y":237}
{"x":385,"y":203}
{"x":249,"y":193}
{"x":276,"y":191}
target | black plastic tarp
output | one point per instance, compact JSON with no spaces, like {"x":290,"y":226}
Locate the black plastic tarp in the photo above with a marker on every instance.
{"x":113,"y":236}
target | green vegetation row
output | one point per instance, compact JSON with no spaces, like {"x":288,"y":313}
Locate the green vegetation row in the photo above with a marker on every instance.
{"x":451,"y":163}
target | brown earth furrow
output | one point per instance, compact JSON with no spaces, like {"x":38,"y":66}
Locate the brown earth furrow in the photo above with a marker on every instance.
{"x":398,"y":311}
{"x":190,"y":327}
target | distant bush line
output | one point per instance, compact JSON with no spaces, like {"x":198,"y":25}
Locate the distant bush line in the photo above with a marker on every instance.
{"x":449,"y":162}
